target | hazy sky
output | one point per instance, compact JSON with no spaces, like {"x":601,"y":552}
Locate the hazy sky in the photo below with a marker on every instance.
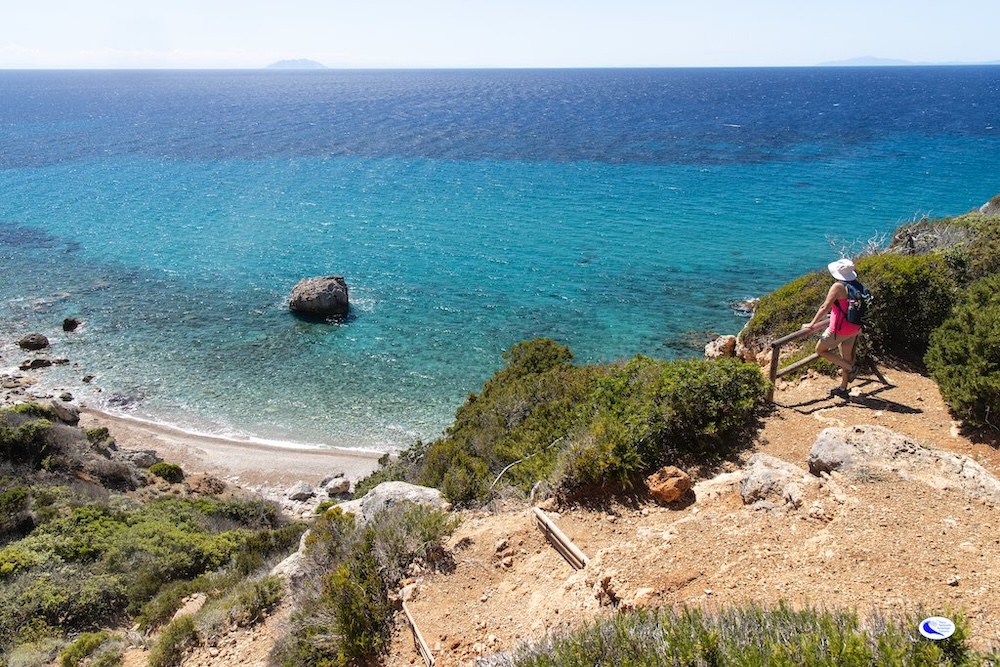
{"x":499,"y":33}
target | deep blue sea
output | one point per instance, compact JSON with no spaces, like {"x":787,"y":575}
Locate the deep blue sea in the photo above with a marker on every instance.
{"x":616,"y":211}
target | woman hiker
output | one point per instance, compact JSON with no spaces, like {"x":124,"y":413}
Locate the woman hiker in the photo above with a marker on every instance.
{"x":841,"y":334}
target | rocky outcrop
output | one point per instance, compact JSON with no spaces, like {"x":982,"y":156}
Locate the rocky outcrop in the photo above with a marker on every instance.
{"x":723,"y":346}
{"x":301,"y":491}
{"x":65,"y":412}
{"x":33,"y":342}
{"x":668,"y":484}
{"x":991,"y":208}
{"x":320,"y":297}
{"x":387,"y":494}
{"x":866,"y":450}
{"x":140,"y":458}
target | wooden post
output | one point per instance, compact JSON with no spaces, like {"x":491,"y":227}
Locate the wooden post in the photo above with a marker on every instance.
{"x":559,"y":541}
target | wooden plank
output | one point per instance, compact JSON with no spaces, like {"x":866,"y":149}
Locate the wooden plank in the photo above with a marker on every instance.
{"x":418,"y":639}
{"x":798,"y":364}
{"x":569,"y":551}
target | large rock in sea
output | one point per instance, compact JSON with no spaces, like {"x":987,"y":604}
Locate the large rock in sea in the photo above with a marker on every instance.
{"x":33,"y":341}
{"x":320,"y":297}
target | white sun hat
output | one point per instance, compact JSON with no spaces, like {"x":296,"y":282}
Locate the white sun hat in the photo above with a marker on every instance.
{"x":843,"y":269}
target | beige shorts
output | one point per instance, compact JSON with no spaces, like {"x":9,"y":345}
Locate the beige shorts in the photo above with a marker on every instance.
{"x":830,"y":340}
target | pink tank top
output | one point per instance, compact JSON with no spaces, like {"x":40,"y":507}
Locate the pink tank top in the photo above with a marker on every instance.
{"x":838,"y":320}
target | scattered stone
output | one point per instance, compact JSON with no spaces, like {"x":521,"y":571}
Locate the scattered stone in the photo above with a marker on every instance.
{"x":33,"y":341}
{"x":337,"y":486}
{"x":301,"y":491}
{"x":643,"y":597}
{"x":769,"y":479}
{"x":12,"y":382}
{"x":66,"y":396}
{"x":668,"y":484}
{"x":71,"y":324}
{"x":88,"y":378}
{"x":320,"y":296}
{"x":35,"y":364}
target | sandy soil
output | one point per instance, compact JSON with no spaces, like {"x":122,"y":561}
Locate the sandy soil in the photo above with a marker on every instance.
{"x":241,"y":462}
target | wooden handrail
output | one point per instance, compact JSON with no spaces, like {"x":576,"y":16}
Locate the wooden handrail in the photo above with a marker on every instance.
{"x":784,"y":340}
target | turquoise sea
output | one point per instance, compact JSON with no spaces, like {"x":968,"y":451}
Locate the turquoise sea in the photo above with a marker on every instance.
{"x":617,"y":211}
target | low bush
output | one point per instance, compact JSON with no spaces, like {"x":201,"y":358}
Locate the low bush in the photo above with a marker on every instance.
{"x":170,"y":472}
{"x":964,"y":354}
{"x":913,"y":296}
{"x":94,"y":649}
{"x":750,"y":635}
{"x":15,"y":515}
{"x":649,"y":412}
{"x":174,"y":640}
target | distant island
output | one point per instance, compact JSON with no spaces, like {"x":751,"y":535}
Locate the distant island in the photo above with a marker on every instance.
{"x":870,"y":61}
{"x":300,"y":63}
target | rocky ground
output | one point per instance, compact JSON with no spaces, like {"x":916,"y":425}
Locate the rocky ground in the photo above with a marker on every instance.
{"x":877,"y":541}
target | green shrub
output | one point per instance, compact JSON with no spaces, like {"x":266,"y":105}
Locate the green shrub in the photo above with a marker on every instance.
{"x":170,"y":472}
{"x":25,"y":444}
{"x":15,"y":517}
{"x":252,"y":600}
{"x":91,"y":565}
{"x":913,"y":296}
{"x":523,"y":412}
{"x":97,"y":648}
{"x":348,"y":620}
{"x":964,"y":354}
{"x":176,"y":638}
{"x":542,"y":419}
{"x":648,"y":412}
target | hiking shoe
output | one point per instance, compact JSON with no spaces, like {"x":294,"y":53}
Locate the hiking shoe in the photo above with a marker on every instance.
{"x":853,"y":373}
{"x":841,"y":392}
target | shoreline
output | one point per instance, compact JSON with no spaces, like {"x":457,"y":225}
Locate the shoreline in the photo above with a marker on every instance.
{"x":245,"y":463}
{"x":253,"y":463}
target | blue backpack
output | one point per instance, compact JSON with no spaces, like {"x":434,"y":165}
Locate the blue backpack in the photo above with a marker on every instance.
{"x":859,"y":301}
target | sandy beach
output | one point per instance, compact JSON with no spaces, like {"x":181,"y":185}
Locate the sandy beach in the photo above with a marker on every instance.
{"x":246,"y":463}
